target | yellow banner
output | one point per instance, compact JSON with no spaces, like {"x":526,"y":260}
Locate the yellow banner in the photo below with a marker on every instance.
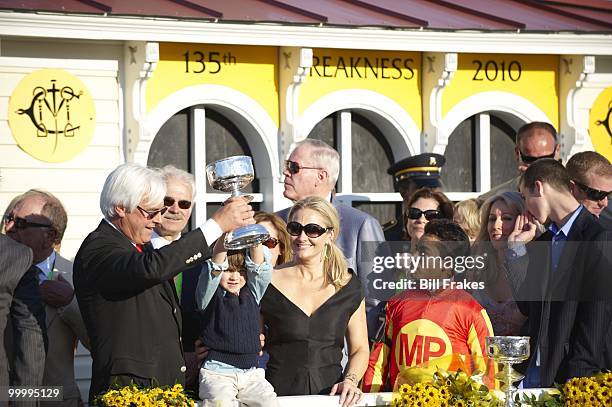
{"x":247,"y":69}
{"x":392,"y":74}
{"x":52,"y":115}
{"x":533,"y":77}
{"x":600,"y":123}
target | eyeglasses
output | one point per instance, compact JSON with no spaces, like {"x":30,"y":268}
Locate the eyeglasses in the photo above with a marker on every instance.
{"x":151,"y":214}
{"x":527,"y":159}
{"x":311,"y":230}
{"x":592,"y":193}
{"x":21,"y":223}
{"x":294,"y":167}
{"x":271,"y":243}
{"x":183,"y":203}
{"x":430,"y":214}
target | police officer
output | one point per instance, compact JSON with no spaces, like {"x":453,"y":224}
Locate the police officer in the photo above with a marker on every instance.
{"x":410,"y":174}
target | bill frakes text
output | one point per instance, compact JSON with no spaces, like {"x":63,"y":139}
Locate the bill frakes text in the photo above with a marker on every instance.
{"x":430,"y":284}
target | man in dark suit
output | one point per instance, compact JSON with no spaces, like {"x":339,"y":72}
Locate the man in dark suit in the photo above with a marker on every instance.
{"x":565,"y":289}
{"x":180,"y":192}
{"x":312,"y":170}
{"x":26,"y":342}
{"x":124,"y":287}
{"x":63,"y":321}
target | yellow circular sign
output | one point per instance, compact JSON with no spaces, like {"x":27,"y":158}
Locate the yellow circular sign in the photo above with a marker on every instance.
{"x":52,"y":115}
{"x":600,"y":123}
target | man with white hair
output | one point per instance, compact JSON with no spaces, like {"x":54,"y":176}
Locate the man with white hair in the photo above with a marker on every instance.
{"x":312,"y":170}
{"x":180,"y":193}
{"x":124,"y":287}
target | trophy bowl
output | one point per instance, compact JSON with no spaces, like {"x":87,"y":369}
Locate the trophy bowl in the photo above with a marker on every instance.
{"x":512,"y":349}
{"x":246,"y":236}
{"x":230,"y":175}
{"x":508,"y":350}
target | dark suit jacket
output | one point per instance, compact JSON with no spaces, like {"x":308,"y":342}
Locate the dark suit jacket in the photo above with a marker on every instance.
{"x":22,"y":308}
{"x":130,"y":308}
{"x":568,"y":309}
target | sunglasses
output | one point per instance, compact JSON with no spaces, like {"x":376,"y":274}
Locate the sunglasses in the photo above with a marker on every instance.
{"x":294,"y":167}
{"x":151,"y":214}
{"x":183,"y":203}
{"x":527,"y":159}
{"x":21,"y":223}
{"x":416,"y":213}
{"x":592,"y":193}
{"x":271,"y":243}
{"x":311,"y":230}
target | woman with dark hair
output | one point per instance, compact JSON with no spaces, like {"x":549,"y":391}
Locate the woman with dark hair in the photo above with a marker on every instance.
{"x":425,"y":205}
{"x":499,"y":214}
{"x":313,"y":303}
{"x":279,"y":242}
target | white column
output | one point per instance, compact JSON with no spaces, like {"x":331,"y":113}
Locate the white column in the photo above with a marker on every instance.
{"x":345,"y":180}
{"x":483,"y":156}
{"x":197,"y":139}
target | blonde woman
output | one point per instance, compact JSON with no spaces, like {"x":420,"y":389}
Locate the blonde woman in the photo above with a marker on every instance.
{"x":499,"y":215}
{"x":313,"y":303}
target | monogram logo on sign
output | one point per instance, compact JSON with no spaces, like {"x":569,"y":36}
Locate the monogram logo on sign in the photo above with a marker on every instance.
{"x":49,"y":111}
{"x":51,"y":115}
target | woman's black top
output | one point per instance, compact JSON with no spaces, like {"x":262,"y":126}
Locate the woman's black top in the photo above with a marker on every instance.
{"x":306,"y":352}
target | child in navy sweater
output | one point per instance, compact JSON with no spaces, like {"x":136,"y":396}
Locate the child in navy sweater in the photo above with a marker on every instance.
{"x":231,"y":326}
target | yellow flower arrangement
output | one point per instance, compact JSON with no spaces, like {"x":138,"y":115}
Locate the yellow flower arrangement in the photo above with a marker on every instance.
{"x":446,"y":390}
{"x":132,"y":396}
{"x":580,"y":391}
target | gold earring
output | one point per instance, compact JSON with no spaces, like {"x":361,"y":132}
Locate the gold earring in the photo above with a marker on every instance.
{"x":327,"y":251}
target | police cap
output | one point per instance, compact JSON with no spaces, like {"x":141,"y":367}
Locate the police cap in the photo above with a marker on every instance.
{"x":422,"y":169}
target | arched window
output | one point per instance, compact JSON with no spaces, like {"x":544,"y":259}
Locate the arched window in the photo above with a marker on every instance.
{"x":365,"y":156}
{"x":480,"y":154}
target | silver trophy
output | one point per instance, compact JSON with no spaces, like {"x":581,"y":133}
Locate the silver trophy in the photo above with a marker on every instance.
{"x":230,"y":175}
{"x":508,"y":350}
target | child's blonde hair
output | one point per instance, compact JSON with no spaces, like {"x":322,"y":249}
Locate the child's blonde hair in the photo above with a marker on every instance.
{"x":467,"y":215}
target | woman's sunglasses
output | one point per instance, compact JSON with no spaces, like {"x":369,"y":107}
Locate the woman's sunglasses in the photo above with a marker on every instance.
{"x":271,"y":243}
{"x":183,"y":204}
{"x":416,"y":213}
{"x":311,"y":230}
{"x":592,"y":193}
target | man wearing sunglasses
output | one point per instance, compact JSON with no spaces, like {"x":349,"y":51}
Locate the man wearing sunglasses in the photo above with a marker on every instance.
{"x":312,"y":170}
{"x":564,"y":290}
{"x":591,"y":175}
{"x":534,"y":141}
{"x":180,"y":193}
{"x":15,"y":287}
{"x":124,"y":286}
{"x":22,"y":353}
{"x":38,"y":220}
